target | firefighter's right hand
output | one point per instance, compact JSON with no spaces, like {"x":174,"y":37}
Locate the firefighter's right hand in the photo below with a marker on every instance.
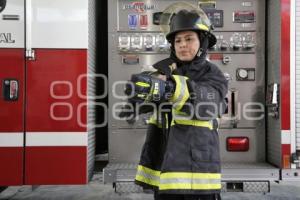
{"x":144,"y":87}
{"x":138,"y":88}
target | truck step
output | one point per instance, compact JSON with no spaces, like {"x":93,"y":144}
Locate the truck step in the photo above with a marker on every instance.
{"x":127,"y":187}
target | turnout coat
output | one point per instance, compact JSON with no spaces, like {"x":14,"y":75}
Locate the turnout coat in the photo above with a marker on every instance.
{"x":181,"y":151}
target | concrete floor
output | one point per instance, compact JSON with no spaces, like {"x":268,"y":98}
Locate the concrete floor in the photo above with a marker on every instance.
{"x":96,"y":190}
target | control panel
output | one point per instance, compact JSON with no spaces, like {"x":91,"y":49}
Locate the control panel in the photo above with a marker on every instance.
{"x":136,"y":42}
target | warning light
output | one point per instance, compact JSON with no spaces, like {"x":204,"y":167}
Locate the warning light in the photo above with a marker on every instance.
{"x":237,"y":144}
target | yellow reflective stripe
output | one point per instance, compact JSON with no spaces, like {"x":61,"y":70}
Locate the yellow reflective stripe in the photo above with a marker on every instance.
{"x":176,"y":186}
{"x":190,"y":175}
{"x":153,"y":120}
{"x":178,"y":180}
{"x":146,"y":180}
{"x":190,"y":181}
{"x":156,"y":88}
{"x":177,"y":89}
{"x":172,"y":123}
{"x":181,"y":93}
{"x":142,"y":84}
{"x":202,"y":27}
{"x":193,"y":181}
{"x":147,"y":175}
{"x":148,"y":170}
{"x":185,"y":97}
{"x":141,"y":95}
{"x":207,"y":124}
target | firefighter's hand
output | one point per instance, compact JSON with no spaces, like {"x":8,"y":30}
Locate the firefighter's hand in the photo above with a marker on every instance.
{"x":146,"y":88}
{"x":162,"y":77}
{"x":138,"y":88}
{"x":128,"y":113}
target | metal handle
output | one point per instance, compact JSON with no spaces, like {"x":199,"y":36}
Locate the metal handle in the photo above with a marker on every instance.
{"x":234,"y":109}
{"x":11,"y":17}
{"x":10,"y":89}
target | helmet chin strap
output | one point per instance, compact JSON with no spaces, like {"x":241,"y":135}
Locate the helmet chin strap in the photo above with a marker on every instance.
{"x":203,"y":47}
{"x":200,"y":51}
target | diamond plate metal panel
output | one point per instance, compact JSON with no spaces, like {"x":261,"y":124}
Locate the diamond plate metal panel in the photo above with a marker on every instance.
{"x":257,"y":187}
{"x":127,"y":187}
{"x":110,"y":174}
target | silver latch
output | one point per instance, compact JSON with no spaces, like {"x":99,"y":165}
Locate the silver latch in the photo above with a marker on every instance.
{"x":272,"y":100}
{"x":30,"y":54}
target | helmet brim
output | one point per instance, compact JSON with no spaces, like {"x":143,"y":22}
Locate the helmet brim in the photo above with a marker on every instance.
{"x":212,"y":40}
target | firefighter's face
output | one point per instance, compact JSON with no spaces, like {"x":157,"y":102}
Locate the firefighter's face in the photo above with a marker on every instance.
{"x":186,"y":45}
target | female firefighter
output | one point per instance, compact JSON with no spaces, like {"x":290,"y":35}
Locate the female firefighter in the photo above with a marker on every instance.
{"x":180,"y":158}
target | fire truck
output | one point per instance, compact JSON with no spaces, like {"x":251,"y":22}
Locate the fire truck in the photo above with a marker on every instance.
{"x":63,"y":65}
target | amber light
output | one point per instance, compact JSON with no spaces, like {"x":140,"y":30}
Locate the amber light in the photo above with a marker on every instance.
{"x":237,"y":144}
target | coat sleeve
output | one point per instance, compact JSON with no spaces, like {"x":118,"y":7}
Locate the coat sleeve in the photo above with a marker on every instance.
{"x":204,"y":98}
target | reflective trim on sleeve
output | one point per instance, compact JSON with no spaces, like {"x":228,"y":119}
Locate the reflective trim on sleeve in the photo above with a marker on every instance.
{"x":142,"y":84}
{"x":181,"y":93}
{"x":147,"y":175}
{"x":192,"y":181}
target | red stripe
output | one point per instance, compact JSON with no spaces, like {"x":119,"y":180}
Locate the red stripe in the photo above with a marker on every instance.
{"x":285,"y":65}
{"x":55,"y":65}
{"x":55,"y":165}
{"x":286,"y":149}
{"x":11,"y":166}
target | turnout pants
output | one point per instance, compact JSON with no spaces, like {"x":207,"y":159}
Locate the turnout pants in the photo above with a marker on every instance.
{"x":186,"y":197}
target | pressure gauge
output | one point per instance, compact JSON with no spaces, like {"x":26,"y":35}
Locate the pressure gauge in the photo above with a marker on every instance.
{"x":136,"y":42}
{"x":224,"y":45}
{"x":248,"y":41}
{"x":161,"y":42}
{"x":124,"y":42}
{"x":149,"y":42}
{"x":245,"y":74}
{"x":236,"y":41}
{"x":242,"y":73}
